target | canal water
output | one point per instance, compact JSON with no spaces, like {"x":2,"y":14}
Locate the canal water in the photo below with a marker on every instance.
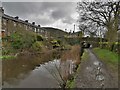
{"x":40,"y":77}
{"x":30,"y":72}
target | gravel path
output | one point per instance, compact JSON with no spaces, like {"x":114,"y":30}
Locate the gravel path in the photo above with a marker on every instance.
{"x":94,"y":74}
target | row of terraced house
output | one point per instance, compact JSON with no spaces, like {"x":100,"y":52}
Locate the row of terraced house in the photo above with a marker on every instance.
{"x":11,"y":24}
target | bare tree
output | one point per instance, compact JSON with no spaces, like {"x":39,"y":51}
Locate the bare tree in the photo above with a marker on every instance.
{"x":100,"y":14}
{"x":61,"y":73}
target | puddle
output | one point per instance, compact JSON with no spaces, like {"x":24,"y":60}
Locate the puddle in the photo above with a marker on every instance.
{"x":100,"y":77}
{"x":89,"y":68}
{"x":96,"y":63}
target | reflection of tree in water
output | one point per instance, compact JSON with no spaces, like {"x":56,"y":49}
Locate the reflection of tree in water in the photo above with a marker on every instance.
{"x":61,"y":72}
{"x":14,"y":70}
{"x":66,"y":67}
{"x":19,"y":68}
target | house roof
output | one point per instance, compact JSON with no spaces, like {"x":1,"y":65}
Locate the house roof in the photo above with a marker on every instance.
{"x":19,"y":20}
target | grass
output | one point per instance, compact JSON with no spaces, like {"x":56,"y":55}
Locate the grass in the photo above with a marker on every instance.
{"x":85,"y":55}
{"x":110,"y":58}
{"x":7,"y":57}
{"x":71,"y":83}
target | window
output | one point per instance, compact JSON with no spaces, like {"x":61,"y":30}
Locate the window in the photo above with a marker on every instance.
{"x":14,"y":23}
{"x":20,"y":25}
{"x":4,"y":22}
{"x":26,"y":27}
{"x":35,"y":29}
{"x":38,"y":30}
{"x":41,"y":31}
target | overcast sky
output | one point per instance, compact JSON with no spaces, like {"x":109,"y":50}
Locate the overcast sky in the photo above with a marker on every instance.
{"x":62,"y":15}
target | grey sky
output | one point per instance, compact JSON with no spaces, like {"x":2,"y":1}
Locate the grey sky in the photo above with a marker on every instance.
{"x":56,"y":14}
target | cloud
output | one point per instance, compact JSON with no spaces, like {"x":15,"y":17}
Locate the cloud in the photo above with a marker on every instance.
{"x":68,"y":20}
{"x":43,"y":13}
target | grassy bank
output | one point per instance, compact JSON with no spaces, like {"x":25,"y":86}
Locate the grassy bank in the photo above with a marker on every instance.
{"x":85,"y":55}
{"x":7,"y":57}
{"x":71,"y":83}
{"x":110,"y":58}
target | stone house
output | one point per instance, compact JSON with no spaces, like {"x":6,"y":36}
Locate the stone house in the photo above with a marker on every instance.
{"x":12,"y":24}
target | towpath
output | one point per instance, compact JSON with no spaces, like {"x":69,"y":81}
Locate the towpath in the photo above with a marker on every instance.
{"x":94,"y":74}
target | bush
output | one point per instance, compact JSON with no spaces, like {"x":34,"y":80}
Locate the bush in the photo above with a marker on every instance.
{"x":20,"y":40}
{"x":37,"y":46}
{"x":17,"y":42}
{"x":5,"y":51}
{"x":55,"y":43}
{"x":39,"y":38}
{"x":115,"y":46}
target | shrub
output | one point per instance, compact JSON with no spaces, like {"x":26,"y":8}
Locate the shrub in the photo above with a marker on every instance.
{"x":115,"y":46}
{"x":37,"y":46}
{"x":17,"y":42}
{"x":39,"y":38}
{"x":22,"y":40}
{"x":55,"y":43}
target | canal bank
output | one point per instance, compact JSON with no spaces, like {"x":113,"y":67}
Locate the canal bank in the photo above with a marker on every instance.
{"x":71,"y":83}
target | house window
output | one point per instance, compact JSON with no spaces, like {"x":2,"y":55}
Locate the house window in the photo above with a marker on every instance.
{"x":30,"y":28}
{"x":26,"y":27}
{"x":35,"y":29}
{"x":41,"y":31}
{"x":14,"y":23}
{"x":4,"y":22}
{"x":38,"y":30}
{"x":20,"y":25}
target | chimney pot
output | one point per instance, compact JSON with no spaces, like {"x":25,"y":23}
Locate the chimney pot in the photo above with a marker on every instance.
{"x":38,"y":25}
{"x":16,"y":17}
{"x":26,"y":21}
{"x":33,"y":23}
{"x":1,"y":9}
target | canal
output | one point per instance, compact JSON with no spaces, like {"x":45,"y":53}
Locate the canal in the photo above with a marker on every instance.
{"x":31,"y":71}
{"x":38,"y":77}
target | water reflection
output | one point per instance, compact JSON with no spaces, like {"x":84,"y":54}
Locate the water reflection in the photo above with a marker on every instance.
{"x":38,"y":78}
{"x":49,"y":70}
{"x":26,"y":71}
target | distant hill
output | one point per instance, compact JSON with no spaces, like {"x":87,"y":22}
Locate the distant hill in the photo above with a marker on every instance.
{"x":55,"y":32}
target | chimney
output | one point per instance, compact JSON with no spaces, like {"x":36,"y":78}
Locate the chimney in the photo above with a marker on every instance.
{"x":26,"y":21}
{"x":16,"y":17}
{"x":1,"y":11}
{"x":33,"y":23}
{"x":38,"y":25}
